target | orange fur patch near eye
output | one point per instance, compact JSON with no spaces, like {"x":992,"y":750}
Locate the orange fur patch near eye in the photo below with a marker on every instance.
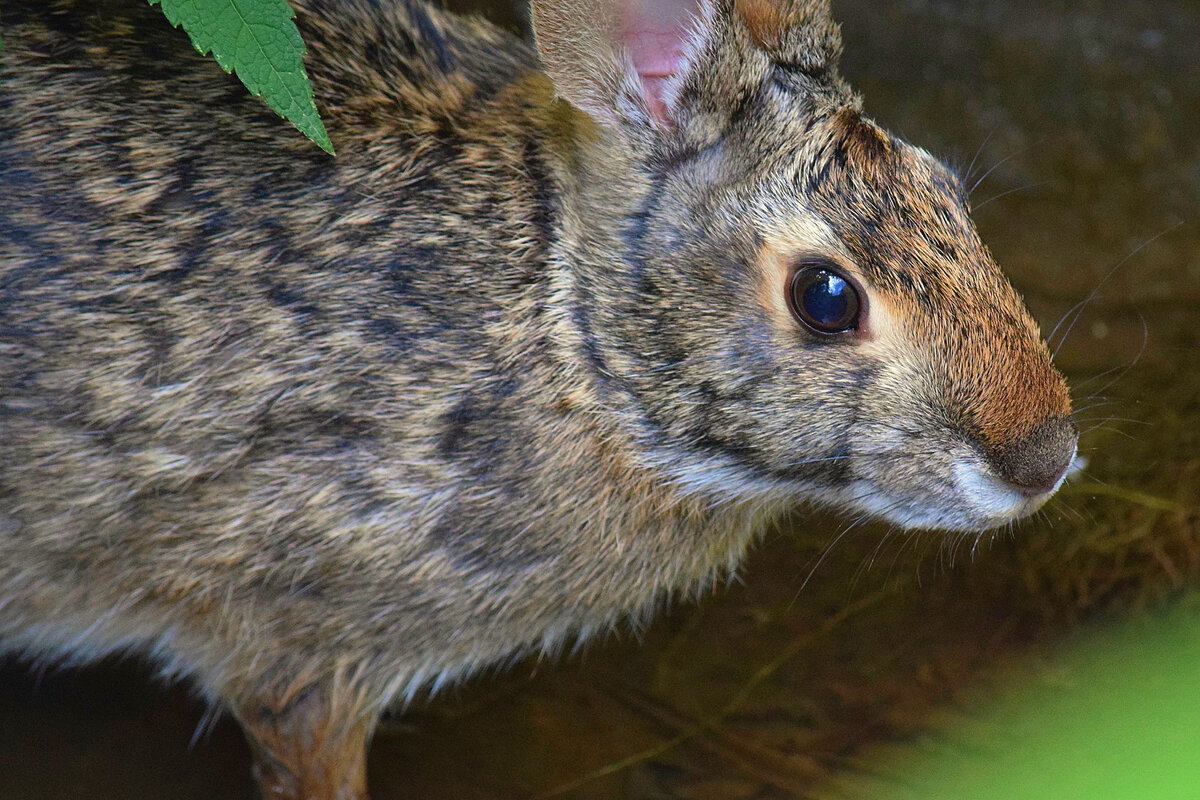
{"x":772,"y":287}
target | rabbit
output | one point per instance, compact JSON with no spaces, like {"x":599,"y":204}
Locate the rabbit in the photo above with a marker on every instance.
{"x":559,"y":330}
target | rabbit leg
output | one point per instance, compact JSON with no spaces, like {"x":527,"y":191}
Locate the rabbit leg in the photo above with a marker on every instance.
{"x":308,"y":744}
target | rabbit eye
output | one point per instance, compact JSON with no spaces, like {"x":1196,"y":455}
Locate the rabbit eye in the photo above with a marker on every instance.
{"x":823,"y":300}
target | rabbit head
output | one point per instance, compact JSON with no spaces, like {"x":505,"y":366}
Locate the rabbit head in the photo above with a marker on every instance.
{"x":778,"y":297}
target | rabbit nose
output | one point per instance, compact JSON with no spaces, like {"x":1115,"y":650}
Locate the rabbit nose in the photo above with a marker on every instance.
{"x":1035,"y":462}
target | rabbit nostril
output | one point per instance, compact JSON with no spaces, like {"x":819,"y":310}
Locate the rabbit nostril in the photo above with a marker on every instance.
{"x":1036,"y":461}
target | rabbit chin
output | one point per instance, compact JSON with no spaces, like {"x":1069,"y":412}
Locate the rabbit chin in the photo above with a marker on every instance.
{"x":973,"y":499}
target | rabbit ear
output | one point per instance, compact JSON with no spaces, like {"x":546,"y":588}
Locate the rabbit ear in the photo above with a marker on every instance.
{"x":799,"y":34}
{"x":661,"y":37}
{"x":618,"y":59}
{"x":640,"y":61}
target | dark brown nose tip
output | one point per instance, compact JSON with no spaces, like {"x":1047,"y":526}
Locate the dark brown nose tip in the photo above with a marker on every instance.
{"x":1035,"y":462}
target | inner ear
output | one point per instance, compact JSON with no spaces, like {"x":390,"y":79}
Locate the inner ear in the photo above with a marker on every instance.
{"x":618,"y":60}
{"x":657,"y":35}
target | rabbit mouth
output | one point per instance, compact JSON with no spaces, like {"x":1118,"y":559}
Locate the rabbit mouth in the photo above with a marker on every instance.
{"x":971,"y":498}
{"x":993,"y":499}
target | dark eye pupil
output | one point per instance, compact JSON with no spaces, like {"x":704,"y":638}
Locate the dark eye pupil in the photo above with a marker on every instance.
{"x":824,"y":300}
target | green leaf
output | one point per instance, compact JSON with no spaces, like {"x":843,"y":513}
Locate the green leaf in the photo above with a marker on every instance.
{"x":258,"y":41}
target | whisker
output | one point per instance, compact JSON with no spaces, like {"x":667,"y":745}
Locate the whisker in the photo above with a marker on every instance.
{"x":882,"y":455}
{"x":914,"y":538}
{"x":1092,"y":406}
{"x":979,"y":152}
{"x":1128,"y":420}
{"x":868,"y":563}
{"x":1060,"y":505}
{"x":1138,"y":357}
{"x":879,"y":545}
{"x":1001,"y":162}
{"x":1096,"y":377}
{"x":975,"y":209}
{"x":948,"y":552}
{"x":1095,"y":292}
{"x":829,"y":548}
{"x":979,"y":539}
{"x":1063,"y":318}
{"x":1110,"y":429}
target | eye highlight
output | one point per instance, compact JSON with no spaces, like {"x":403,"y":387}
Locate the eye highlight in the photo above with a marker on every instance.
{"x":824,"y":300}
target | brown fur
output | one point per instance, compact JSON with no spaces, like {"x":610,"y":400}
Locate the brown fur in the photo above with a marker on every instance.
{"x":327,"y":433}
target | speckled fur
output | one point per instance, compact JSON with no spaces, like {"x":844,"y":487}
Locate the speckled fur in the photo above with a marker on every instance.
{"x":322,"y":432}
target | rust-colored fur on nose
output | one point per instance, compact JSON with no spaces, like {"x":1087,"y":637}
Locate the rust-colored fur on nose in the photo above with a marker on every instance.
{"x":1017,"y":387}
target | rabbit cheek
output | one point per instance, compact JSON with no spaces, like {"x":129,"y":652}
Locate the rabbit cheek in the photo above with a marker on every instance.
{"x":911,"y":464}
